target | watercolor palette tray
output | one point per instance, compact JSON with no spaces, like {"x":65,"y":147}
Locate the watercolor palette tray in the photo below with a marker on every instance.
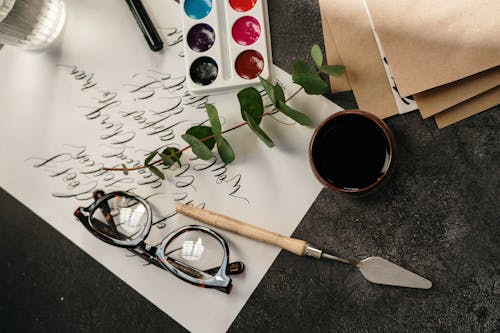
{"x":226,"y":44}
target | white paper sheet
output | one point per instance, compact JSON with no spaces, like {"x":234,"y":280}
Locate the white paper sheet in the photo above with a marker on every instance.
{"x":101,"y":98}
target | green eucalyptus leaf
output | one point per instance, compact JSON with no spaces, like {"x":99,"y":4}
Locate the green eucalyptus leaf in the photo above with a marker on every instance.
{"x":251,"y":104}
{"x":268,"y":87}
{"x":302,"y":67}
{"x":157,"y":172}
{"x":213,"y":116}
{"x":125,"y":169}
{"x":312,"y":84}
{"x":279,"y":93}
{"x":150,"y":157}
{"x":167,"y":160}
{"x":203,"y":132}
{"x":173,"y":154}
{"x":225,"y":150}
{"x":317,"y":55}
{"x":260,"y":133}
{"x":198,"y":147}
{"x":333,"y":70}
{"x":294,"y":114}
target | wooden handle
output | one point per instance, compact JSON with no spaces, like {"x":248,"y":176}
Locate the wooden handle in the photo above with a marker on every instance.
{"x":296,"y":246}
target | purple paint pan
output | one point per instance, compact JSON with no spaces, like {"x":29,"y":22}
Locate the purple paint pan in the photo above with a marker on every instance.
{"x":226,"y":44}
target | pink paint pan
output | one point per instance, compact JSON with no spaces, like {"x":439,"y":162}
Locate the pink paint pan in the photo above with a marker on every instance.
{"x":226,"y":44}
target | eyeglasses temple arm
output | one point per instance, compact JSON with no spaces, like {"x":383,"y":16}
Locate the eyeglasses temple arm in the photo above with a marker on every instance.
{"x":148,"y":253}
{"x":232,"y":268}
{"x":146,"y":256}
{"x":236,"y":267}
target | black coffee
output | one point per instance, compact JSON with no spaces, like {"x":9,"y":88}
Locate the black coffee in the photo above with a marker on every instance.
{"x":350,"y":152}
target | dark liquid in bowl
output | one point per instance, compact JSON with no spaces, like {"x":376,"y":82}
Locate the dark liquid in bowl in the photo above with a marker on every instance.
{"x":350,"y":152}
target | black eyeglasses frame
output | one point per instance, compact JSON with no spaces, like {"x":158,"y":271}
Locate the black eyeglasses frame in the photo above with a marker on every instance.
{"x":216,"y":278}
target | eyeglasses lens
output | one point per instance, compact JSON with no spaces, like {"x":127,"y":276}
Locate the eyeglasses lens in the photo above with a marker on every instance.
{"x":121,"y":217}
{"x":195,"y":253}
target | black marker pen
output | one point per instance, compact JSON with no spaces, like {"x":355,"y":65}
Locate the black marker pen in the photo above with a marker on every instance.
{"x":147,"y":27}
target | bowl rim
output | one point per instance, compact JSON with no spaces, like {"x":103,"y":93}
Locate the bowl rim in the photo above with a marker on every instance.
{"x":377,"y":121}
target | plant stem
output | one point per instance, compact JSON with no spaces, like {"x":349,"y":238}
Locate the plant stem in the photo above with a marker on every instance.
{"x":293,"y":95}
{"x":204,"y":139}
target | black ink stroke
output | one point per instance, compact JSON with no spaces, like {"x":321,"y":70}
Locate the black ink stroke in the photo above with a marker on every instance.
{"x":152,"y":104}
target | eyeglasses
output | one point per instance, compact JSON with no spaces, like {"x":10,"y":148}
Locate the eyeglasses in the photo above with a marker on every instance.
{"x":193,"y":253}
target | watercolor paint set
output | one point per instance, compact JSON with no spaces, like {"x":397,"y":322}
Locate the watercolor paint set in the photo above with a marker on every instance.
{"x":226,"y":44}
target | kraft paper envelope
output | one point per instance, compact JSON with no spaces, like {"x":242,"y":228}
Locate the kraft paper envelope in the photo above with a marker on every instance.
{"x":435,"y":100}
{"x":358,"y":51}
{"x":432,"y":101}
{"x":468,"y":108}
{"x":430,"y":43}
{"x":337,"y":84}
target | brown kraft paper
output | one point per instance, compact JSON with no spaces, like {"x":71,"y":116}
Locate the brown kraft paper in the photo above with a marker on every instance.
{"x":429,"y":43}
{"x":341,"y":83}
{"x":468,"y":108}
{"x":351,"y":32}
{"x":433,"y":101}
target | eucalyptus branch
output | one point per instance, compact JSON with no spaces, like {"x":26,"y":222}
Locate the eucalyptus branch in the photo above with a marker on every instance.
{"x":202,"y":139}
{"x":158,"y":161}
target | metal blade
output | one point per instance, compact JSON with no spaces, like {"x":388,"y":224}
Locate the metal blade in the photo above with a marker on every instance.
{"x":379,"y":270}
